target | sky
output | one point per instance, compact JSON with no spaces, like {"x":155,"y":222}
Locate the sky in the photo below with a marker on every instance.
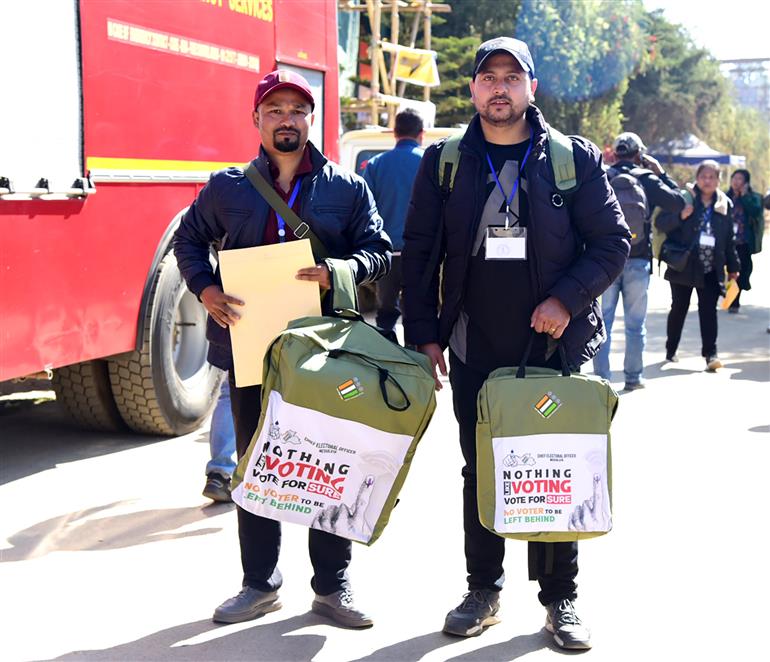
{"x":730,"y":30}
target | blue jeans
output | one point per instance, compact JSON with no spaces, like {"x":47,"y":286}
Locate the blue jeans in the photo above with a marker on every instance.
{"x":222,"y":436}
{"x":632,"y":284}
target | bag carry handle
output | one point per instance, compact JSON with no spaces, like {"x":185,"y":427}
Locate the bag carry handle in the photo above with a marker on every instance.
{"x":521,"y":373}
{"x":384,"y":377}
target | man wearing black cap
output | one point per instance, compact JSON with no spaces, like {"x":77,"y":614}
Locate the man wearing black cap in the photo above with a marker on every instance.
{"x":641,"y":185}
{"x":230,"y":213}
{"x":569,"y":246}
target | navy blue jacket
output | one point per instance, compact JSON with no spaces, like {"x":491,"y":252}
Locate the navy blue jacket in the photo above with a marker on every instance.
{"x":575,"y":249}
{"x":230,"y":213}
{"x":390,"y":176}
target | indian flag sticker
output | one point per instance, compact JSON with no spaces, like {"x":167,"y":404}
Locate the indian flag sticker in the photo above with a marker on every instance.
{"x":350,"y":389}
{"x":547,"y":405}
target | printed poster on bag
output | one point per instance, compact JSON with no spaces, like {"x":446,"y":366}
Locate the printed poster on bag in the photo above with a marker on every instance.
{"x":320,"y":471}
{"x":551,"y":482}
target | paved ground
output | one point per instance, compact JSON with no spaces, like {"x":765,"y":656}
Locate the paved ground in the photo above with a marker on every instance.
{"x":108,"y":551}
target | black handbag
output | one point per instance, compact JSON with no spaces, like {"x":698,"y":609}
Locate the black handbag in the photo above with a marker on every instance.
{"x":675,"y":254}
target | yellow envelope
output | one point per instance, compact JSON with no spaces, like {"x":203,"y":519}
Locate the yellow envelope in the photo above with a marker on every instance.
{"x":730,"y":294}
{"x":263,"y":277}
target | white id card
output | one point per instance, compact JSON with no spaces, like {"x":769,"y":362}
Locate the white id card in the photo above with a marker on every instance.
{"x":707,"y":239}
{"x":506,"y":243}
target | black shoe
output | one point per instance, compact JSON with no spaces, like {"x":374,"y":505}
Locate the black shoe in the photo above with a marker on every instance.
{"x":734,"y":310}
{"x":476,"y":612}
{"x":634,"y":386}
{"x":672,"y":358}
{"x":217,"y":488}
{"x":568,"y":632}
{"x":341,"y":608}
{"x":713,"y":363}
{"x":246,"y":606}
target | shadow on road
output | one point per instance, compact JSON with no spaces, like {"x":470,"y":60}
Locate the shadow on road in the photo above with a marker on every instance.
{"x":415,"y":649}
{"x":83,"y":531}
{"x":51,"y":438}
{"x":274,"y":641}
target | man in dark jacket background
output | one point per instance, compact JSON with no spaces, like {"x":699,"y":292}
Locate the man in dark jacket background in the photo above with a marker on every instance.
{"x":390,"y":176}
{"x":658,"y":190}
{"x":573,"y":246}
{"x":230,"y":213}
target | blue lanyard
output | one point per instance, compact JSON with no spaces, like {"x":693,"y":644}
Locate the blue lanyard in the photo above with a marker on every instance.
{"x":281,"y":222}
{"x":706,"y":219}
{"x":509,"y":200}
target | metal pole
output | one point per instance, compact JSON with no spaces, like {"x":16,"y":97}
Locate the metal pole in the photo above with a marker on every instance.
{"x":426,"y":37}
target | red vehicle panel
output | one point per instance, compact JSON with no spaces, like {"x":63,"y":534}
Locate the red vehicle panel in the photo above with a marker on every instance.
{"x":166,"y":92}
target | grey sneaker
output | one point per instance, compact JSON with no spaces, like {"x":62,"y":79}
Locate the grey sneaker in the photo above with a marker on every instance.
{"x":634,"y":386}
{"x":713,"y":363}
{"x":217,"y":488}
{"x":564,"y":624}
{"x":247,"y":605}
{"x":340,"y":608}
{"x":476,"y":612}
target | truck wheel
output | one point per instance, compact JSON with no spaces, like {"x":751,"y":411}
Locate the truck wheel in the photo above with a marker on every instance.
{"x":167,"y":387}
{"x":84,"y":391}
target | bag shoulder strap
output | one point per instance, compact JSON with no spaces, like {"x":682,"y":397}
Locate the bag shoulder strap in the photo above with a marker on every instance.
{"x":299,"y":227}
{"x":448,"y":161}
{"x":561,"y":151}
{"x":344,"y":291}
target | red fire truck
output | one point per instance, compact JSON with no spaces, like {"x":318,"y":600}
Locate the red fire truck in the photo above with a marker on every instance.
{"x":114,"y":113}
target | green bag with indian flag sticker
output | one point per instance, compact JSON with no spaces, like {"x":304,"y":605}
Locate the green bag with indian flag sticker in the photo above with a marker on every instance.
{"x":543,"y":453}
{"x":343,"y":410}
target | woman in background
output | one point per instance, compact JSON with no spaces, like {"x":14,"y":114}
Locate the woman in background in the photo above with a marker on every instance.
{"x":748,"y":225}
{"x":707,"y":227}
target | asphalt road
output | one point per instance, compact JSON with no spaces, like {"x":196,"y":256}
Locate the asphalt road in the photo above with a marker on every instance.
{"x":109,"y":552}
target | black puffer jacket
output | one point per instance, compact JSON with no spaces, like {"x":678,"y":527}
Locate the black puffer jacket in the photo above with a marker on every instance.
{"x":229,"y":212}
{"x":576,"y":249}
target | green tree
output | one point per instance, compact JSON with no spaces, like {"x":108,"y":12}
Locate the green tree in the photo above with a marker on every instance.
{"x":677,"y":91}
{"x":455,"y":67}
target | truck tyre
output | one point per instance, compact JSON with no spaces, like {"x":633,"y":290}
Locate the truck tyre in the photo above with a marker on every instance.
{"x":84,"y":391}
{"x":167,"y":387}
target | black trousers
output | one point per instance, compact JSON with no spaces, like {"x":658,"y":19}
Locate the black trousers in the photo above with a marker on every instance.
{"x":260,"y":538}
{"x":484,"y":550}
{"x":747,"y":266}
{"x":707,"y":314}
{"x":389,"y":300}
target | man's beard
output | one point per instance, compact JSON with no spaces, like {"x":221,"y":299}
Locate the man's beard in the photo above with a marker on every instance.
{"x":284,"y":145}
{"x":509,"y":119}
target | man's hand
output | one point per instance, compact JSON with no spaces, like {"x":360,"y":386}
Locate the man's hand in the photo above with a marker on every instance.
{"x":344,"y":521}
{"x":685,"y":213}
{"x":215,"y":301}
{"x":550,"y":317}
{"x":434,"y":352}
{"x":319,"y":273}
{"x":653,"y":164}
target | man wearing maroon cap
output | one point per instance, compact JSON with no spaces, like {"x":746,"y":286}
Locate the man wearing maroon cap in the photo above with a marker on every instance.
{"x":230,"y":213}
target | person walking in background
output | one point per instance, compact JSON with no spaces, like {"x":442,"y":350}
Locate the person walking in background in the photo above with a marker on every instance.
{"x":390,"y":176}
{"x":487,"y":307}
{"x":748,"y":227}
{"x":640,"y":185}
{"x":706,"y":227}
{"x":220,"y":467}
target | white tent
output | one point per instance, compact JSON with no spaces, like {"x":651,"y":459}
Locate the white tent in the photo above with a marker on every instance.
{"x":691,"y":150}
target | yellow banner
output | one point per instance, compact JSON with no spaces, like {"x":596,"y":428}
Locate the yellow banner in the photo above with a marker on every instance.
{"x":414,"y":65}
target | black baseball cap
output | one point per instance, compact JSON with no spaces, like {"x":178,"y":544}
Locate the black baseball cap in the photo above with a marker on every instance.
{"x":514,"y":47}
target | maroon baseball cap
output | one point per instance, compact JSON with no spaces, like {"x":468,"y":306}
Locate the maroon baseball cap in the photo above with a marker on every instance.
{"x":281,"y":79}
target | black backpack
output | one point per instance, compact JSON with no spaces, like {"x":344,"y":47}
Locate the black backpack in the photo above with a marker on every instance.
{"x":633,"y":201}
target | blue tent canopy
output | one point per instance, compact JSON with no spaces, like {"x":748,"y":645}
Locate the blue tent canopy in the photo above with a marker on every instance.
{"x":691,"y":150}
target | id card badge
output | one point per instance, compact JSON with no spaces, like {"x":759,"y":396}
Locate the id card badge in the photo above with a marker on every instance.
{"x":506,"y":243}
{"x":707,"y":239}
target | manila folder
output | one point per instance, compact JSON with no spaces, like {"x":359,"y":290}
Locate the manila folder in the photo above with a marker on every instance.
{"x":263,"y":277}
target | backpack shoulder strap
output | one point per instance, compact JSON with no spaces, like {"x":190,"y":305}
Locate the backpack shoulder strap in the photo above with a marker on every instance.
{"x":560,"y":150}
{"x":449,"y":159}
